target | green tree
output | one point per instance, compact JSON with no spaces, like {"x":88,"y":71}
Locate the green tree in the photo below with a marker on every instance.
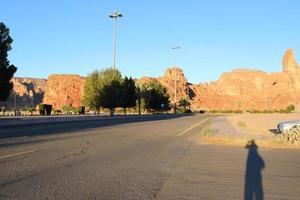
{"x":155,"y":95}
{"x":92,"y":90}
{"x":139,"y":98}
{"x":110,"y":89}
{"x":6,"y":70}
{"x":30,"y":109}
{"x":128,"y":94}
{"x":184,"y":103}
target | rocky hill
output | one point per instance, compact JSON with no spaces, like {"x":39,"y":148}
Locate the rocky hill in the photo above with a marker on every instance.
{"x":64,"y":89}
{"x":27,"y":92}
{"x":242,"y":89}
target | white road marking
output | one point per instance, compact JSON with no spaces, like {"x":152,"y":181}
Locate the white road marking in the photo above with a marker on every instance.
{"x":16,"y":154}
{"x":194,"y":126}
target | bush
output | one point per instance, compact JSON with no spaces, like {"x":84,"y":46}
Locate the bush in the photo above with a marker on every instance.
{"x":48,"y":109}
{"x":188,"y":111}
{"x":214,"y":111}
{"x":81,"y":110}
{"x":67,"y":109}
{"x":29,"y":109}
{"x":290,"y":108}
{"x":42,"y":109}
{"x":238,"y":111}
{"x":209,"y":131}
{"x":3,"y":109}
{"x":56,"y":112}
{"x":202,"y":111}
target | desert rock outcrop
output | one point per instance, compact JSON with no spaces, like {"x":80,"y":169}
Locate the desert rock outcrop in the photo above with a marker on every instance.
{"x":26,"y":92}
{"x":289,"y":62}
{"x":184,"y":89}
{"x":240,"y":89}
{"x":64,"y":89}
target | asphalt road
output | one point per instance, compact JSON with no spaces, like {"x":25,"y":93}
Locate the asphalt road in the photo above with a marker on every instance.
{"x":160,"y":157}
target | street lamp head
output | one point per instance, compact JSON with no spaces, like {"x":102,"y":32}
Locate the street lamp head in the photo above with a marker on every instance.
{"x":115,"y":15}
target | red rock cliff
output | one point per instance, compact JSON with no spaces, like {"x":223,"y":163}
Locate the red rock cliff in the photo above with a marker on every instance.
{"x":64,"y":89}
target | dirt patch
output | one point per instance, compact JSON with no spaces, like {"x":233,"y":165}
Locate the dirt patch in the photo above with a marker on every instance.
{"x":238,"y":130}
{"x":262,"y":124}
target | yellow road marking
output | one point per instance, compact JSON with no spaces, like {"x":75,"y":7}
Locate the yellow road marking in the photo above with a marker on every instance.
{"x":194,"y":126}
{"x":16,"y":154}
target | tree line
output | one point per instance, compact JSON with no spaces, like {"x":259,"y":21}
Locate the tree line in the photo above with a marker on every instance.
{"x":108,"y":89}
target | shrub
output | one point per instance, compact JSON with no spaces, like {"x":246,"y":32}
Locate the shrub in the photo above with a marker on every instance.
{"x":29,"y":109}
{"x":290,"y":108}
{"x":67,"y":109}
{"x":241,"y":124}
{"x":48,"y":109}
{"x":188,"y":111}
{"x":209,"y":131}
{"x":56,"y":112}
{"x":81,"y":110}
{"x":3,"y":109}
{"x":202,"y":111}
{"x":42,"y":109}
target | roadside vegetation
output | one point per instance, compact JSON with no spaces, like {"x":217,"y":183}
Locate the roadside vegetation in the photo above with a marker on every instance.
{"x":289,"y":109}
{"x":184,"y":104}
{"x":107,"y":89}
{"x":208,"y":131}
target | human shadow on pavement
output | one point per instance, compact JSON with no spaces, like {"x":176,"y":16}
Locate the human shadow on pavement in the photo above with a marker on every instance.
{"x":253,"y":177}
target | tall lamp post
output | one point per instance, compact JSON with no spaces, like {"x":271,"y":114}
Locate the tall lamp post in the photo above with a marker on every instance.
{"x":115,"y":15}
{"x":175,"y":78}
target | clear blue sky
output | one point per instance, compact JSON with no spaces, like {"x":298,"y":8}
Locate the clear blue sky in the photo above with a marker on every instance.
{"x":75,"y":36}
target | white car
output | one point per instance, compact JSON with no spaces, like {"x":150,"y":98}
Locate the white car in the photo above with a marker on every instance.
{"x":284,"y":126}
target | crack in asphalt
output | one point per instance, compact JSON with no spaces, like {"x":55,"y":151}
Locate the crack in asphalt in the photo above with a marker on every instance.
{"x":161,"y":185}
{"x":82,"y":151}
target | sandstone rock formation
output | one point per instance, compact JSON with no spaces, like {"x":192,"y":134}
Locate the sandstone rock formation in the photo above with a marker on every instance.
{"x":241,"y":89}
{"x":29,"y":92}
{"x":184,"y":89}
{"x":64,"y":89}
{"x":289,"y":62}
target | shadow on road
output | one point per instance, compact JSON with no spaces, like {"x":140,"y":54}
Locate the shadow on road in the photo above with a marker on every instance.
{"x":253,"y":177}
{"x":71,"y":127}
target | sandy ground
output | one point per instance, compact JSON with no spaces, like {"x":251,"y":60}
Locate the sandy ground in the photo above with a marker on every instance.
{"x":261,"y":124}
{"x":237,"y":130}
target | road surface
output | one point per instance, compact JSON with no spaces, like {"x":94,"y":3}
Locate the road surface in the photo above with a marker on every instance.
{"x":160,"y":157}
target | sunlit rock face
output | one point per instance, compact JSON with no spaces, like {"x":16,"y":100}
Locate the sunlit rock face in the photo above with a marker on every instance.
{"x":252,"y":89}
{"x":240,"y":89}
{"x":289,"y":62}
{"x":184,"y":88}
{"x":243,"y":89}
{"x":64,"y":89}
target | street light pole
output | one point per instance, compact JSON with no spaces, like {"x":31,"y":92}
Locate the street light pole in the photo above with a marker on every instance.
{"x":15,"y":102}
{"x":175,"y":79}
{"x":115,"y":15}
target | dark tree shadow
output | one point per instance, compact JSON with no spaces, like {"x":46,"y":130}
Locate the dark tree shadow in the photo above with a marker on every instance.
{"x":253,"y":177}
